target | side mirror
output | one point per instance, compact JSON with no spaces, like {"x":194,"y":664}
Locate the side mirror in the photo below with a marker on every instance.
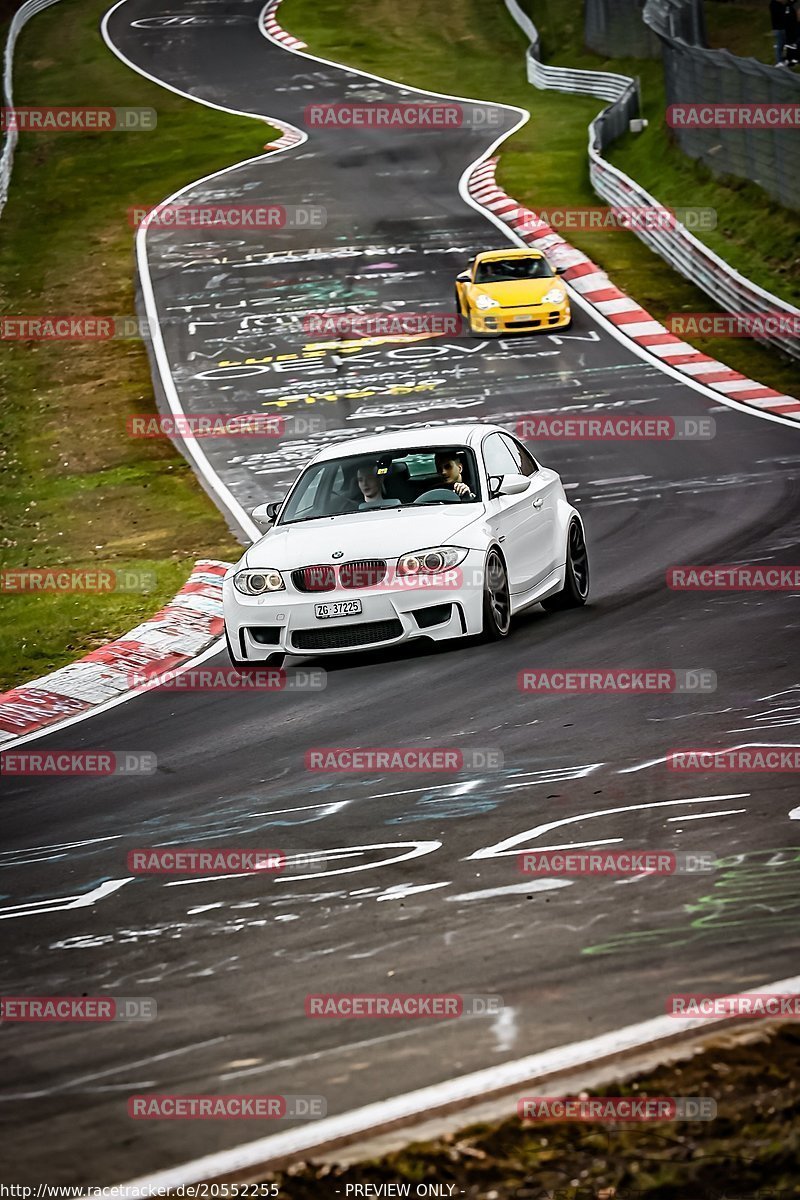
{"x":560,"y":270}
{"x":463,"y":277}
{"x":513,"y":485}
{"x":265,"y":514}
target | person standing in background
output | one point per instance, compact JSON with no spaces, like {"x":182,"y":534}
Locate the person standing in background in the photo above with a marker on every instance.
{"x":776,"y":13}
{"x":790,"y":32}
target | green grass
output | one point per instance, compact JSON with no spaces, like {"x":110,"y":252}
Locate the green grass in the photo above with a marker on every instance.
{"x":75,"y":490}
{"x":474,"y":49}
{"x":741,"y":26}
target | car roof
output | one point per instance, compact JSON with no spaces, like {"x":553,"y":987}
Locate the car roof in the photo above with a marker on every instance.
{"x":487,"y":255}
{"x":467,"y":433}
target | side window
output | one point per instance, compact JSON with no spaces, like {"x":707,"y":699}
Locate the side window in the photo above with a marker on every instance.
{"x":498,"y":458}
{"x":525,"y":464}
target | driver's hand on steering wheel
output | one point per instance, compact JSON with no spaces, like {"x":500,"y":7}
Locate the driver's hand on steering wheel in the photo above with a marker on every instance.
{"x":461,"y":489}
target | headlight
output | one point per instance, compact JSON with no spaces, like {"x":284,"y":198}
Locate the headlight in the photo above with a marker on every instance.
{"x":487,"y":302}
{"x":431,"y":561}
{"x":256,"y":583}
{"x":555,"y":296}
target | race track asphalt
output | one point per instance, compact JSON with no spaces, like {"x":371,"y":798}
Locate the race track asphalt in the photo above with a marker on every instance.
{"x":230,"y":960}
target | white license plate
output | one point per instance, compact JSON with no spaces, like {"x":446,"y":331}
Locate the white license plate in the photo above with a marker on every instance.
{"x":338,"y":608}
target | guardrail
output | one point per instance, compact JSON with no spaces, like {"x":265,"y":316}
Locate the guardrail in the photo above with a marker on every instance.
{"x":684,"y":19}
{"x":20,"y":18}
{"x":670,"y":239}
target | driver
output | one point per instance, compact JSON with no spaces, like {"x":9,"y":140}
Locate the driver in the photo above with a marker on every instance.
{"x":451,"y":469}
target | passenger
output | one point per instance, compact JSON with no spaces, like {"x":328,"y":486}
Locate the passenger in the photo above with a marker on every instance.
{"x":370,"y":485}
{"x":451,"y":468}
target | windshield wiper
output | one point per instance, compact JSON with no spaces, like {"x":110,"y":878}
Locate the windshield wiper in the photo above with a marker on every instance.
{"x":355,"y":512}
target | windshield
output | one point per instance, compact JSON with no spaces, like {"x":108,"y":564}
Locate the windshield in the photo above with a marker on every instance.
{"x":395,"y":479}
{"x":506,"y":270}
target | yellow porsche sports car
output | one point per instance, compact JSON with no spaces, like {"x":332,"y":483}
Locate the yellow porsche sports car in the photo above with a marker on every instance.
{"x":512,"y":291}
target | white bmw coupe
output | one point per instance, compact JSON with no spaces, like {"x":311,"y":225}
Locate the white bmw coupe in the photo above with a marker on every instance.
{"x":438,"y":532}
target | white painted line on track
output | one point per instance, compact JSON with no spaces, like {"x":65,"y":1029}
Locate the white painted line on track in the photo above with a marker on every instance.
{"x":726,"y":812}
{"x":33,"y":908}
{"x":302,"y":1142}
{"x":512,"y":889}
{"x":515,"y":844}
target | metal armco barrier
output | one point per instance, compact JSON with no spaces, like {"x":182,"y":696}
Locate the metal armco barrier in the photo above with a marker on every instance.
{"x":20,"y":18}
{"x":674,"y":243}
{"x":684,"y":19}
{"x":694,"y":74}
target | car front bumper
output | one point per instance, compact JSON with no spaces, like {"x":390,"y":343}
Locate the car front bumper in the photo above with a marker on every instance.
{"x":528,"y":319}
{"x":286,"y":622}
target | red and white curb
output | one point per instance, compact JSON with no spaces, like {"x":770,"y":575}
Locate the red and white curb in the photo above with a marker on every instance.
{"x":184,"y":628}
{"x":630,"y":319}
{"x":289,"y":137}
{"x":274,"y":30}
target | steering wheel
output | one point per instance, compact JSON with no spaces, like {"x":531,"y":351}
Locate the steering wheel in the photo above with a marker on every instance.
{"x":438,"y":496}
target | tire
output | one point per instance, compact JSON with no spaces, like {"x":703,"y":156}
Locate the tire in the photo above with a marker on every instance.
{"x":496,"y":600}
{"x":576,"y":576}
{"x":244,"y":668}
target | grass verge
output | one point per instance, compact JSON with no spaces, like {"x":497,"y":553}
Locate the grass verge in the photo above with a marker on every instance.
{"x":75,"y":490}
{"x":473,"y":49}
{"x":750,"y":1149}
{"x":741,"y":26}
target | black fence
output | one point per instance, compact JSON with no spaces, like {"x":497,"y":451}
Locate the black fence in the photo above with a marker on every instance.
{"x":615,"y":28}
{"x":768,"y":155}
